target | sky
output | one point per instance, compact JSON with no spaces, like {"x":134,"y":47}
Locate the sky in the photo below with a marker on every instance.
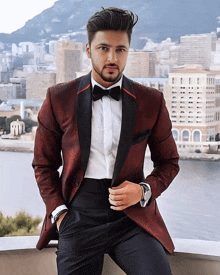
{"x":15,"y":13}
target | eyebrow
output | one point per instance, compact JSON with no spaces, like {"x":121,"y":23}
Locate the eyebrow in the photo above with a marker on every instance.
{"x":107,"y":45}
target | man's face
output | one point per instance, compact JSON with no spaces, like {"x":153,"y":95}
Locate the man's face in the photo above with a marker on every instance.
{"x":108,"y":52}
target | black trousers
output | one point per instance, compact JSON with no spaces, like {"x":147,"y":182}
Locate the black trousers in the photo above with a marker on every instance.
{"x":91,"y":229}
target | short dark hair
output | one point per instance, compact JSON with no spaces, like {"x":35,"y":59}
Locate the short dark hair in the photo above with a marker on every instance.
{"x":111,"y":19}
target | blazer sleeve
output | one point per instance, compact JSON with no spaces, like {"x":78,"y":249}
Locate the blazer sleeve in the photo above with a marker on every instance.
{"x":47,"y":156}
{"x":163,"y":153}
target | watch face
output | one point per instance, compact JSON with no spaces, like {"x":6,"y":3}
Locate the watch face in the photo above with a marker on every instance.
{"x":146,"y":188}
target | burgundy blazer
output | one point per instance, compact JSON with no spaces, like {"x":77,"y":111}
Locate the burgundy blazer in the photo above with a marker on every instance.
{"x":63,"y":138}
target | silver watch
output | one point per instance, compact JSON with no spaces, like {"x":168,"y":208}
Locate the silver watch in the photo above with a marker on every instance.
{"x":145,"y":189}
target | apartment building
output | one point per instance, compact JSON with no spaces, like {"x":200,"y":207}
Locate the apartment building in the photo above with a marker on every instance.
{"x":68,"y":60}
{"x":193,"y":101}
{"x":156,"y":82}
{"x":197,"y":48}
{"x":140,"y":64}
{"x":37,"y":84}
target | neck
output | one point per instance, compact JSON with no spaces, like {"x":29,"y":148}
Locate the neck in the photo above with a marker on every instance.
{"x":118,"y":83}
{"x":102,"y":82}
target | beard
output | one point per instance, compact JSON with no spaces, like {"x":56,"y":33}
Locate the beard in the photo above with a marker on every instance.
{"x":109,"y":76}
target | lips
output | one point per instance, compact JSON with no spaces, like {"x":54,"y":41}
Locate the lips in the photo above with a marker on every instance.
{"x":111,"y":68}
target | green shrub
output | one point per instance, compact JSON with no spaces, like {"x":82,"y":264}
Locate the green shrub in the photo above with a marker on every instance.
{"x":22,"y":225}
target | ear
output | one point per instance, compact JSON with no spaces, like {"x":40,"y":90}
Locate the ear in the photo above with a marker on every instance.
{"x":88,"y":50}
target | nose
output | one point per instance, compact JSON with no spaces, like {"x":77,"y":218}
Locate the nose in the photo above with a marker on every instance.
{"x":112,"y":56}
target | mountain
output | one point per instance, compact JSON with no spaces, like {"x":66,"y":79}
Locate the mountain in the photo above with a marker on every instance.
{"x":158,"y":19}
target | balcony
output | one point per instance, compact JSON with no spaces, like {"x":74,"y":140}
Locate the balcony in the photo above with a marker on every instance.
{"x":19,"y":256}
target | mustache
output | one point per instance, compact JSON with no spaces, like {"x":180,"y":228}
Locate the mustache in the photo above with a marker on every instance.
{"x":111,"y":65}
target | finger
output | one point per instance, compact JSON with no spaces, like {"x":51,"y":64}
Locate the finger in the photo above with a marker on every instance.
{"x":116,"y":203}
{"x":116,"y":197}
{"x":118,"y":208}
{"x":115,"y":191}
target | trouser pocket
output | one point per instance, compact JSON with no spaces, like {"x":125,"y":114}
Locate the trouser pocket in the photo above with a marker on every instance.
{"x":63,"y":222}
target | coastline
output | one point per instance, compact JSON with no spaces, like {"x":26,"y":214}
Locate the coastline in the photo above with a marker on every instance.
{"x":199,"y":156}
{"x":23,"y":146}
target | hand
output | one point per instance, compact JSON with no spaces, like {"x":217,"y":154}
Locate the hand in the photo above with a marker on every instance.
{"x":125,"y":195}
{"x":61,"y":217}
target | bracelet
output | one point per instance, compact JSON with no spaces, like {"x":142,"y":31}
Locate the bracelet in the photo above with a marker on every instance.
{"x":59,"y":214}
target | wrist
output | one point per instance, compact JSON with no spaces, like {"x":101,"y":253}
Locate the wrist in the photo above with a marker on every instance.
{"x":146,"y":193}
{"x":61,"y":217}
{"x":55,"y":213}
{"x":60,"y":214}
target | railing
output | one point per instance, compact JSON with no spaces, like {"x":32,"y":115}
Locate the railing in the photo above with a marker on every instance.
{"x":18,"y":256}
{"x":202,"y":146}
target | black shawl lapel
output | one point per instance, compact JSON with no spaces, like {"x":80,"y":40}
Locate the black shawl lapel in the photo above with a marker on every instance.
{"x":129,"y":109}
{"x":83,"y":118}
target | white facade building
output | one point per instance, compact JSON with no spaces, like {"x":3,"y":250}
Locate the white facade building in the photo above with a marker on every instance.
{"x":193,"y":101}
{"x":197,"y":48}
{"x":17,"y":128}
{"x":26,"y":47}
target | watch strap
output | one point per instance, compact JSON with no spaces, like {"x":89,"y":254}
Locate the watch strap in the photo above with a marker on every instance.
{"x":59,"y":214}
{"x":146,"y":193}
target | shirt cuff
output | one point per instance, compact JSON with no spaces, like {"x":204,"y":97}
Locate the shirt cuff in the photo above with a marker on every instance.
{"x":147,"y":195}
{"x":57,"y":211}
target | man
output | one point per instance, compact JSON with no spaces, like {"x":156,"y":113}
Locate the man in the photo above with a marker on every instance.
{"x":102,"y":123}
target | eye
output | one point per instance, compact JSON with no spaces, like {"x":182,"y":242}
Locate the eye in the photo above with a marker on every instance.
{"x":103,"y":48}
{"x":121,"y":50}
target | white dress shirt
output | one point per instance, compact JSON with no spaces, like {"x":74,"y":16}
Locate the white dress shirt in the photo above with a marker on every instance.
{"x":105,"y":134}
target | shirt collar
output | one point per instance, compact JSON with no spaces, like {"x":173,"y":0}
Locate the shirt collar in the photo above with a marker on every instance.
{"x":119,"y":83}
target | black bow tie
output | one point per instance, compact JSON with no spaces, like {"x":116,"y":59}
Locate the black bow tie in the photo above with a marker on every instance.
{"x":98,"y":93}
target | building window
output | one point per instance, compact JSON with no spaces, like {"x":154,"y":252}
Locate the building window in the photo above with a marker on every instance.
{"x":189,"y":80}
{"x":196,"y":136}
{"x":175,"y":134}
{"x":197,"y":81}
{"x":172,"y":80}
{"x":181,"y":80}
{"x":185,"y":135}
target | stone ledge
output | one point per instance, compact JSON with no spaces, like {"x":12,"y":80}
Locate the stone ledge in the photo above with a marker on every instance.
{"x":188,"y":247}
{"x":19,"y":256}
